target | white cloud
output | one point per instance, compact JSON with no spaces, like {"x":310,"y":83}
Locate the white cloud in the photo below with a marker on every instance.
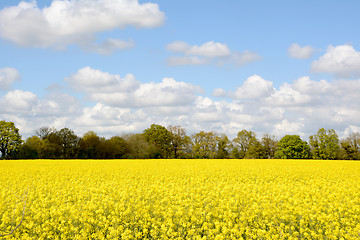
{"x":209,"y":49}
{"x":178,"y":46}
{"x":128,"y":92}
{"x":287,"y":95}
{"x":342,"y":61}
{"x":219,"y":92}
{"x":286,"y":127}
{"x":241,"y":58}
{"x":187,"y":60}
{"x":206,"y":53}
{"x":295,"y":51}
{"x":18,"y":101}
{"x":308,"y":86}
{"x":122,"y":105}
{"x":254,"y":87}
{"x":109,"y":46}
{"x":96,"y":81}
{"x":74,"y":21}
{"x":7,"y":77}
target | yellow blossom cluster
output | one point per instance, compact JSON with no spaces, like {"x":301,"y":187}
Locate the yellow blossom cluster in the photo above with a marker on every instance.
{"x":180,"y":199}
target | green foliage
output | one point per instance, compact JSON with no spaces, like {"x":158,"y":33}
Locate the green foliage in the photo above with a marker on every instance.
{"x":179,"y":141}
{"x":325,"y":144}
{"x":292,"y":147}
{"x":172,"y":142}
{"x":245,"y":140}
{"x":223,"y":147}
{"x":138,"y":147}
{"x":255,"y":150}
{"x":33,"y":148}
{"x":160,"y":137}
{"x":89,"y":146}
{"x":204,"y":145}
{"x":269,"y":146}
{"x":10,"y":139}
{"x":113,"y":148}
{"x":351,"y":147}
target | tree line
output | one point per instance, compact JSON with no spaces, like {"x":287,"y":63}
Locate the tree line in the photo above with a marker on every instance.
{"x":172,"y":142}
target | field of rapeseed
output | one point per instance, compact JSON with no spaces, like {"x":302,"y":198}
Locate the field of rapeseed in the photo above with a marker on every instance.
{"x":180,"y":199}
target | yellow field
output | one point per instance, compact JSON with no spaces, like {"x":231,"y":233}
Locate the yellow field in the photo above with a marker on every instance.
{"x":184,"y":199}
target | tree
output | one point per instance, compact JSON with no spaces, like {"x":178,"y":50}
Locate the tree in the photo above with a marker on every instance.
{"x":53,"y":148}
{"x":292,"y":147}
{"x":269,"y":146}
{"x":160,"y":137}
{"x":138,"y":147}
{"x":325,"y":144}
{"x":68,"y":141}
{"x":113,"y":148}
{"x":61,"y":144}
{"x":351,"y":147}
{"x":243,"y":142}
{"x":10,"y":139}
{"x":44,"y":132}
{"x":33,"y":148}
{"x":255,"y":150}
{"x":89,"y":146}
{"x":223,"y":147}
{"x":179,"y":141}
{"x":204,"y":145}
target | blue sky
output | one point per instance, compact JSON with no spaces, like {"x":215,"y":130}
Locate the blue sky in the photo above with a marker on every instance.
{"x":117,"y":66}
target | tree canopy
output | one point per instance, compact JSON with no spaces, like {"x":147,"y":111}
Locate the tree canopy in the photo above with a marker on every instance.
{"x":292,"y":147}
{"x":10,"y":139}
{"x":172,"y":142}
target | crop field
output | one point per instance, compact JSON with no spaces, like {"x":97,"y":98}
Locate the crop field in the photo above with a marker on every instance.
{"x":180,"y":199}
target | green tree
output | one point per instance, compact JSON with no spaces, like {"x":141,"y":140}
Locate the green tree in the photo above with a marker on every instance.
{"x":60,"y":144}
{"x":325,"y":144}
{"x":52,"y":146}
{"x":223,"y":147}
{"x":113,"y":148}
{"x":89,"y":146}
{"x":292,"y":147}
{"x":138,"y":147}
{"x":351,"y":147}
{"x":255,"y":150}
{"x":160,"y":137}
{"x":204,"y":145}
{"x":243,"y":142}
{"x":10,"y":139}
{"x":33,"y":148}
{"x":269,"y":146}
{"x":68,"y":141}
{"x":179,"y":141}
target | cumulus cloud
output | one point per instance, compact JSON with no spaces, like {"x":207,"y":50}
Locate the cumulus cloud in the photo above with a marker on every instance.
{"x":128,"y":92}
{"x":207,"y":53}
{"x":75,"y":21}
{"x":295,"y":51}
{"x":123,"y":104}
{"x":209,"y":49}
{"x":300,"y":107}
{"x":7,"y":77}
{"x":342,"y":61}
{"x":254,"y":87}
{"x":286,"y":127}
{"x":18,"y":101}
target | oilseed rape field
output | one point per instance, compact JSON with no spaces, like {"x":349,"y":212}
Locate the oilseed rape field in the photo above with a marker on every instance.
{"x":180,"y":199}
